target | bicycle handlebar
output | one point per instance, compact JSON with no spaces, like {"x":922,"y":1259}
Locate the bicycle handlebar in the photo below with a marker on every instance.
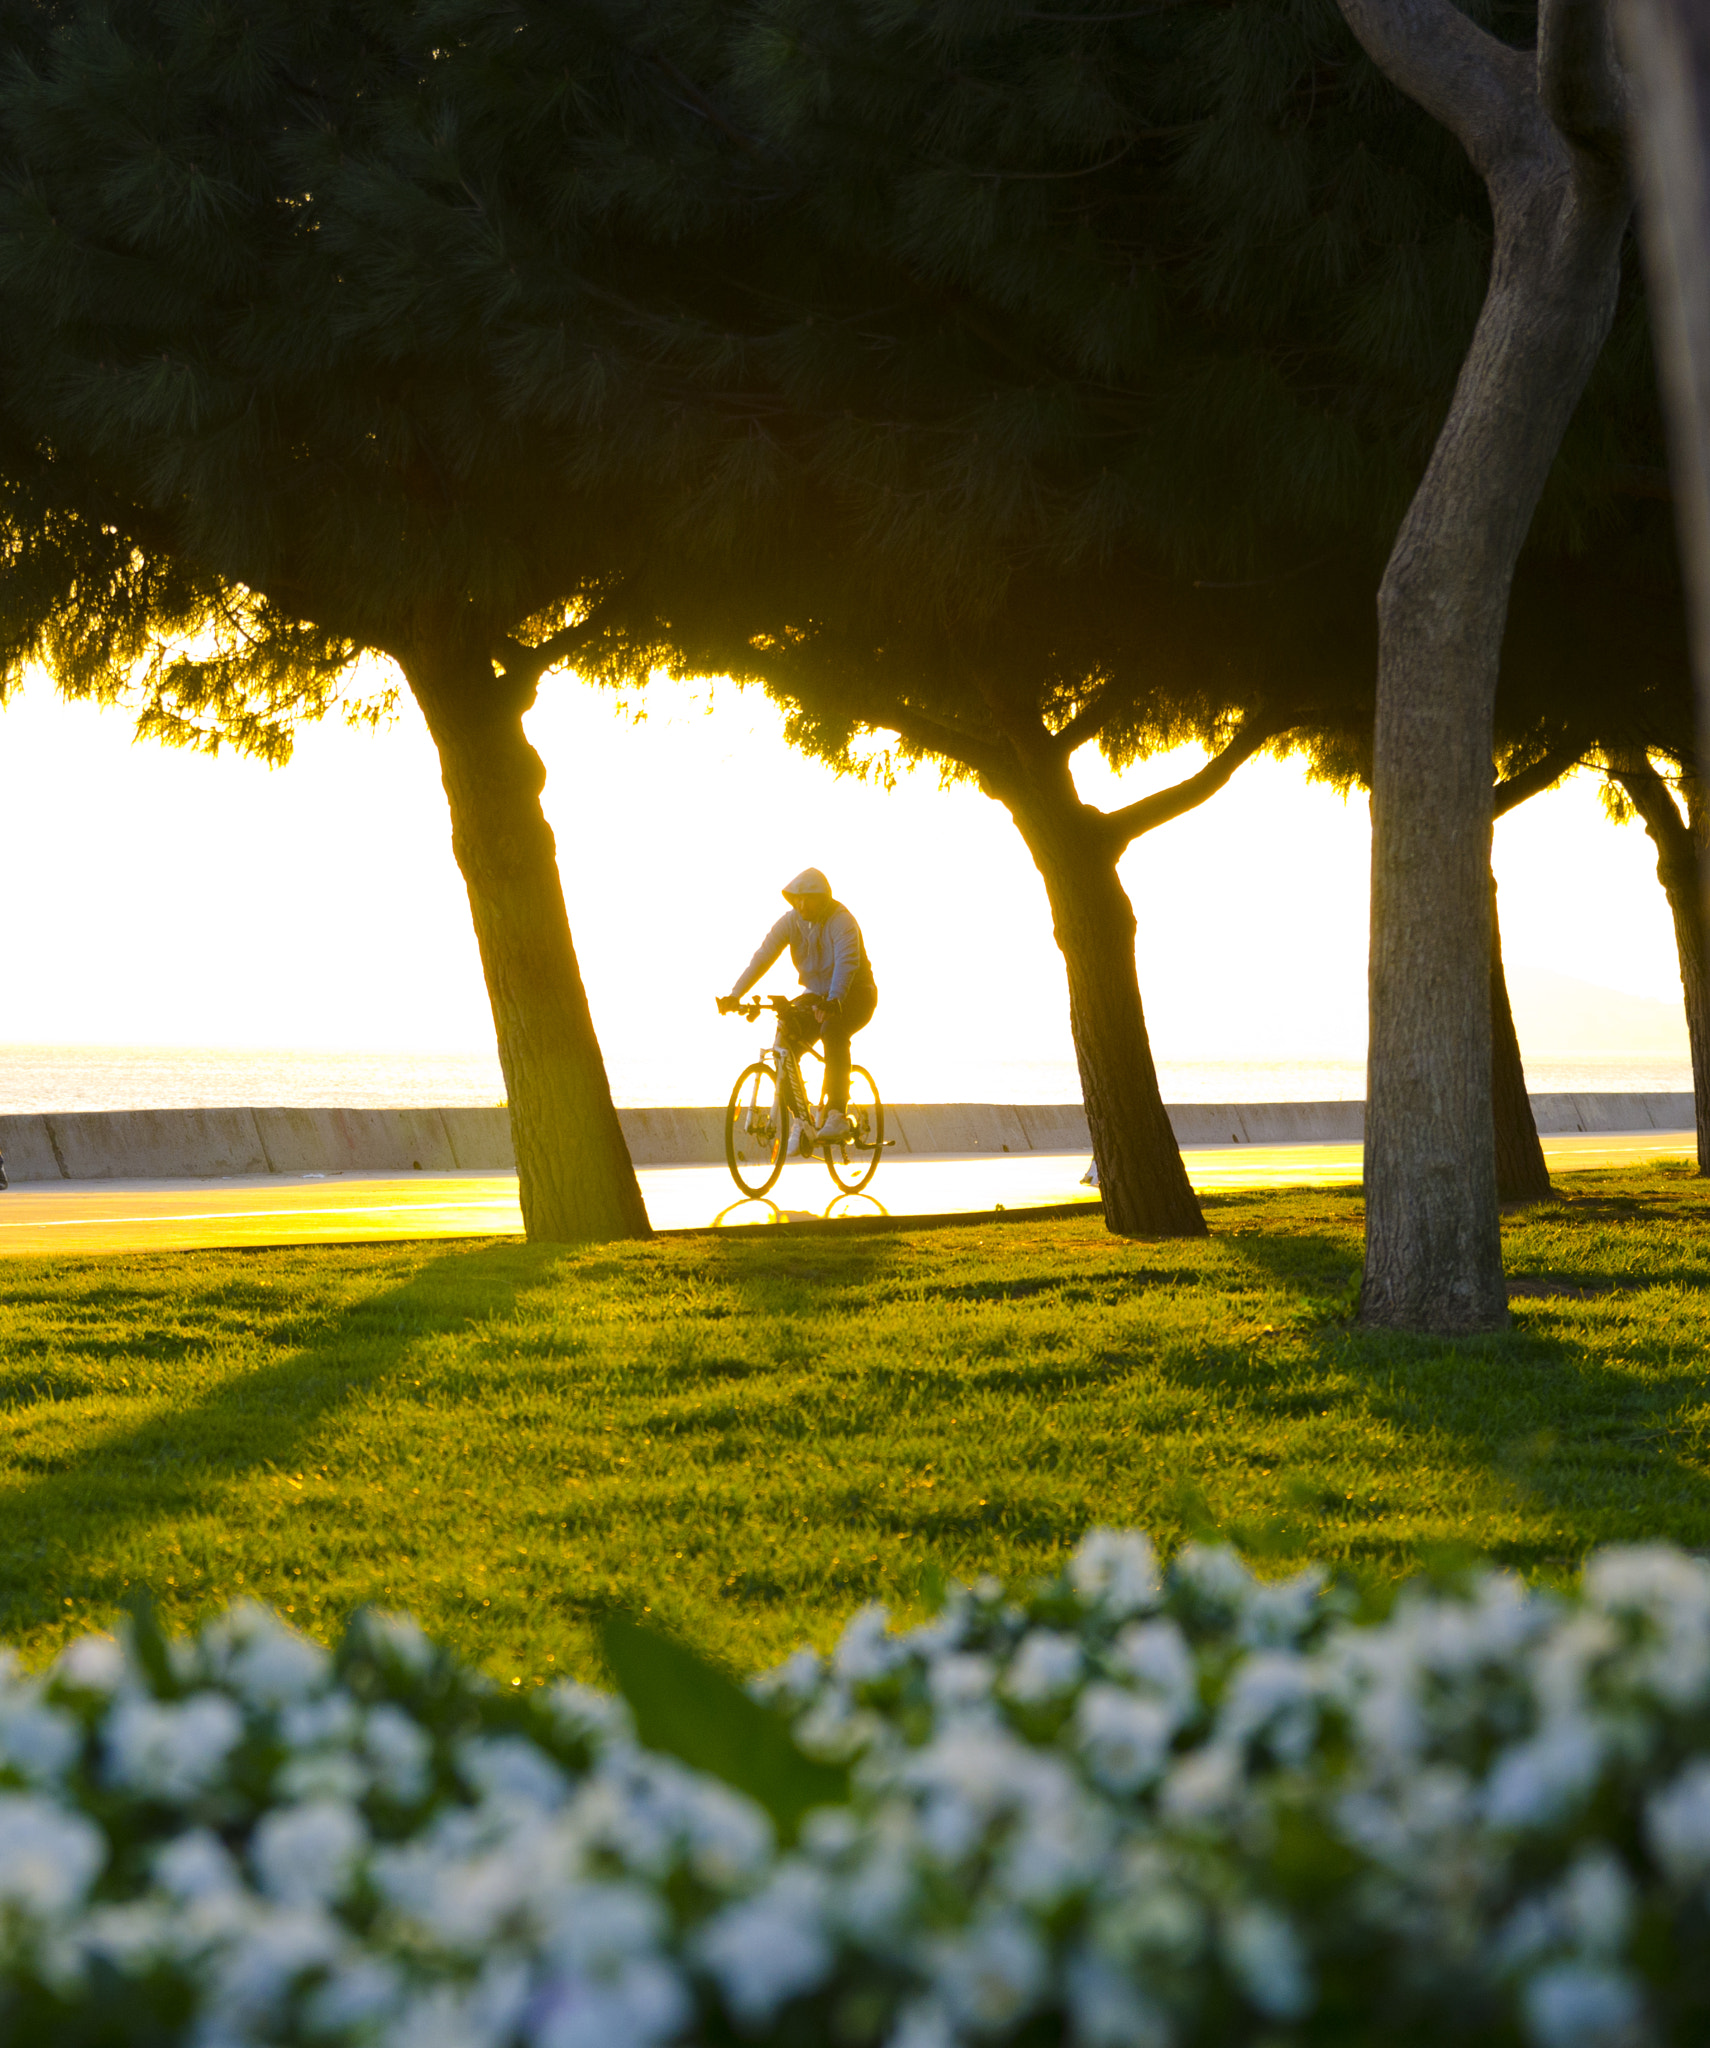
{"x":734,"y":1006}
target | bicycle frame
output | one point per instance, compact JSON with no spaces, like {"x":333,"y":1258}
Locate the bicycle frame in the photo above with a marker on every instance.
{"x":780,"y":1066}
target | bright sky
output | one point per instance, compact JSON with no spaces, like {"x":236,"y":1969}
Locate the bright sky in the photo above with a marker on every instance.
{"x":164,"y":898}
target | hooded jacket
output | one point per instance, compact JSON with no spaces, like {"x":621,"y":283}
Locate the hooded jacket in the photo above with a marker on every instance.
{"x":830,"y":958}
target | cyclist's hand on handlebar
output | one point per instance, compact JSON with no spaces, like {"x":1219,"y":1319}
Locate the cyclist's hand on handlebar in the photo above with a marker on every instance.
{"x":728,"y":1003}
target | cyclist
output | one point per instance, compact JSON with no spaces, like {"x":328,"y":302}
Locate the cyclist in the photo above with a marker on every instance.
{"x":831,"y":964}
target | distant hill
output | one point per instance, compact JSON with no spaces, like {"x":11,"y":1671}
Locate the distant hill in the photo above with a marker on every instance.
{"x":1555,"y":1014}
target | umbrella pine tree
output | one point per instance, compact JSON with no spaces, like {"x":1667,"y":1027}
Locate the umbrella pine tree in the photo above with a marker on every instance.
{"x":287,"y":315}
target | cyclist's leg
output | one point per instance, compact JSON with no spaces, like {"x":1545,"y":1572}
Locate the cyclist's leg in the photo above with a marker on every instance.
{"x":798,"y":1029}
{"x":857,"y":1011}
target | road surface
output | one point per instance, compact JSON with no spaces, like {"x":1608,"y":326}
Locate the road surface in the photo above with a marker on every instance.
{"x":183,"y":1215}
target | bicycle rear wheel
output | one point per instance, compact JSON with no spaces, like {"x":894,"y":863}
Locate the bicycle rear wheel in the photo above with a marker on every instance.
{"x":854,"y":1163}
{"x":756,"y":1130}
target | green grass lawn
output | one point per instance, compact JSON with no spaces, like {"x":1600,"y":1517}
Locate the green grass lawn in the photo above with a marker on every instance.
{"x":753,"y":1434}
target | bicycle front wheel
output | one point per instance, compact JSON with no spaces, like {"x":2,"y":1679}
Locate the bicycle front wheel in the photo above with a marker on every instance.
{"x":756,"y":1130}
{"x":854,"y":1163}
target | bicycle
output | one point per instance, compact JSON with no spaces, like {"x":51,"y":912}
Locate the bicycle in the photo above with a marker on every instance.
{"x":771,"y":1096}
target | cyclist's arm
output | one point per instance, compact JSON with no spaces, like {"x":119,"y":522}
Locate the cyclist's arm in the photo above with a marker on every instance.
{"x":771,"y":947}
{"x":845,"y":955}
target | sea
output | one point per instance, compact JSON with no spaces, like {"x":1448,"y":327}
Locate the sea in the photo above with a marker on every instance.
{"x":36,"y":1078}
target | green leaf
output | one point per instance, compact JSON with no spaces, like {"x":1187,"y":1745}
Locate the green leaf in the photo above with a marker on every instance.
{"x":148,"y":1640}
{"x":688,"y":1708}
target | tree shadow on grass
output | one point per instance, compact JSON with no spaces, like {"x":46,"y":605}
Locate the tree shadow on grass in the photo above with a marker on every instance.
{"x":1591,"y":1414}
{"x":84,"y":1503}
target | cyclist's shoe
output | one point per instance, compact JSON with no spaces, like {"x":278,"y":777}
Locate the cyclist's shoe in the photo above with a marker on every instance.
{"x":837,"y":1128}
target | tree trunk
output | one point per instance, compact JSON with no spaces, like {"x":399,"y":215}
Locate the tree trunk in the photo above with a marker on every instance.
{"x":1667,"y":47}
{"x":1140,"y":1171}
{"x":573,"y":1167}
{"x":1433,"y":1243}
{"x":1679,"y":855}
{"x":1521,"y":1173}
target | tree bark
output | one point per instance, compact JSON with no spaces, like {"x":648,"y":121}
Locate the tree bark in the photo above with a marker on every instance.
{"x":1521,"y":1172}
{"x":1667,"y":47}
{"x":1679,"y":843}
{"x":573,"y":1168}
{"x":1140,"y":1172}
{"x":1433,"y":1244}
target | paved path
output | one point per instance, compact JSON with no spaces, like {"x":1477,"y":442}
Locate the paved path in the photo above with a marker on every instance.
{"x":181,"y":1215}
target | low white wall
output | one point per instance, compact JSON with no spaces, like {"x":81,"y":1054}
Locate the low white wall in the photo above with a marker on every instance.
{"x":206,"y":1144}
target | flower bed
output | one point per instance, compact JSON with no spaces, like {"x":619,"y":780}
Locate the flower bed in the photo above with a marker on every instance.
{"x":1131,"y":1809}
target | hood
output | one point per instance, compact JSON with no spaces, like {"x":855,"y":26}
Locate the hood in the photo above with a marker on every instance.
{"x":810,"y":882}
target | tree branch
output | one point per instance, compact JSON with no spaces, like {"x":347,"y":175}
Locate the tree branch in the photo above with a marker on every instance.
{"x":1532,"y":781}
{"x":1106,"y":701}
{"x":1125,"y":826}
{"x":1482,"y":91}
{"x":939,"y":736}
{"x":1671,"y":834}
{"x":528,"y":664}
{"x":1580,"y":80}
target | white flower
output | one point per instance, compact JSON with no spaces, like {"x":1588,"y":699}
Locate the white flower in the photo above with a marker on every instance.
{"x":923,"y":2023}
{"x":727,"y":1840}
{"x":1537,"y":1783}
{"x":91,"y":1664}
{"x":1155,"y":1656}
{"x":1045,"y":1667}
{"x":1057,"y":1844}
{"x":1273,"y":1694}
{"x":866,"y":1650}
{"x":399,"y":1752}
{"x":1115,"y":1572}
{"x":48,"y":1857}
{"x":642,"y":2004}
{"x":1109,"y":2009}
{"x":1578,"y":2005}
{"x":486,"y":2014}
{"x":1202,"y":1786}
{"x":512,"y":1771}
{"x":770,"y":1948}
{"x":1216,"y":1574}
{"x":321,"y":1774}
{"x":358,"y":1993}
{"x":314,"y":1723}
{"x":1145,"y":1913}
{"x":461,"y":1893}
{"x":1668,"y":1593}
{"x":1265,"y":1954}
{"x":1126,"y":1741}
{"x":597,"y":1718}
{"x":1597,"y":1904}
{"x":307,"y":1855}
{"x":269,"y":1664}
{"x":400,"y":1637}
{"x":792,"y":1684}
{"x":989,"y":1975}
{"x":961,"y":1681}
{"x":172,"y":1749}
{"x":597,"y":1929}
{"x":877,"y":1901}
{"x":37,"y":1741}
{"x":1677,"y":1822}
{"x":1279,"y":1612}
{"x":196,"y":1865}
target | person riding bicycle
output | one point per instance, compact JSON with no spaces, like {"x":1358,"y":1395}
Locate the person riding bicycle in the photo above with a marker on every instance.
{"x":831,"y":964}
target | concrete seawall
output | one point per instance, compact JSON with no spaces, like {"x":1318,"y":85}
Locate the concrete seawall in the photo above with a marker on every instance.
{"x":207,"y":1144}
